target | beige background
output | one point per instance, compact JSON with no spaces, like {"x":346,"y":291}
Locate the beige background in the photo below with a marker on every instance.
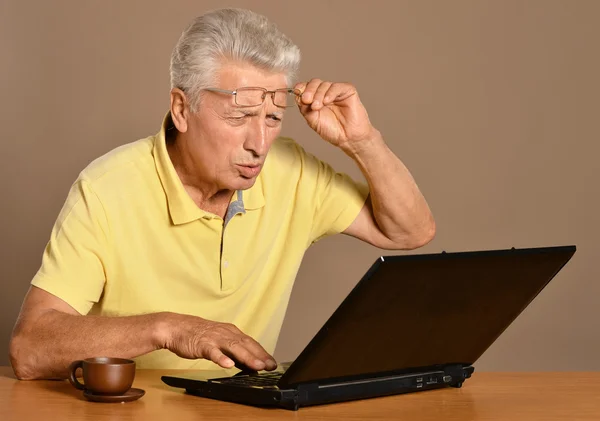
{"x":493,"y":105}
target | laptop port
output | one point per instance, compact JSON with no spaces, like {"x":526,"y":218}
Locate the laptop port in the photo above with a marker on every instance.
{"x":419,"y":379}
{"x":432,"y":380}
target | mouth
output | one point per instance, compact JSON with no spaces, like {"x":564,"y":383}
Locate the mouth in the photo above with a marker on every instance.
{"x":249,"y":170}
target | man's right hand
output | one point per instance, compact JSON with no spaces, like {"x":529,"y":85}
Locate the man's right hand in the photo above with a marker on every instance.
{"x":224,"y":344}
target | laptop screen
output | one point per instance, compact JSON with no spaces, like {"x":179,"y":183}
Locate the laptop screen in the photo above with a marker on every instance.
{"x":426,"y":310}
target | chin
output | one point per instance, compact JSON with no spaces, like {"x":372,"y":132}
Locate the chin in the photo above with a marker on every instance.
{"x":243,"y":183}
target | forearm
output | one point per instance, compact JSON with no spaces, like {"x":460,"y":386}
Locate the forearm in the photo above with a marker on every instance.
{"x":399,"y":209}
{"x":45,"y":346}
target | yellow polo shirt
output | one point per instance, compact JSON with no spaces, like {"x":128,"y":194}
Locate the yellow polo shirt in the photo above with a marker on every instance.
{"x":129,"y":240}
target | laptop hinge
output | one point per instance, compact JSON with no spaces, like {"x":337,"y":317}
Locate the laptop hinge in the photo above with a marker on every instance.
{"x":458,"y":373}
{"x":458,"y":370}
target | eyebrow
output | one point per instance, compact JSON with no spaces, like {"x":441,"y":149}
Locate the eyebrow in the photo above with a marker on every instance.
{"x":253,"y":112}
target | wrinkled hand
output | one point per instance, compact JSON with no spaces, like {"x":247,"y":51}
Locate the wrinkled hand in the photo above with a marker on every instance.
{"x":224,"y":344}
{"x":335,"y":112}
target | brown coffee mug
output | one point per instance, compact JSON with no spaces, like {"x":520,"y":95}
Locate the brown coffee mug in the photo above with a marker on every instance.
{"x":103,"y":375}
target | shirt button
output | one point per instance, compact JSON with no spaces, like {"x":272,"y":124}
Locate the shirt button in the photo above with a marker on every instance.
{"x":226,"y":264}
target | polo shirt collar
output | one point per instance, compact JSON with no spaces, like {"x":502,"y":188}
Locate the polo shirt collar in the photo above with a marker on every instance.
{"x":253,"y":198}
{"x":182,"y":208}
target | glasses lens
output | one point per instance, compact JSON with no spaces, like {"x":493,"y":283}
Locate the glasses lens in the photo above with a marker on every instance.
{"x":284,"y":98}
{"x":249,"y":97}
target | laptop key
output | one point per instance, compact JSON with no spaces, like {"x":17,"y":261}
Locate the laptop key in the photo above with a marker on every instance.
{"x":261,"y":380}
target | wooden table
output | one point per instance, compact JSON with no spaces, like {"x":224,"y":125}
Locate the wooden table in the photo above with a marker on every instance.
{"x":486,"y":396}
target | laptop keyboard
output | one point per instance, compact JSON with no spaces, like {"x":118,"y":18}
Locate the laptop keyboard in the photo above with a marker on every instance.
{"x":255,"y":380}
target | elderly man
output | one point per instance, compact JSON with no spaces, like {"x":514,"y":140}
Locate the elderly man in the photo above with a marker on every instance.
{"x":182,"y":248}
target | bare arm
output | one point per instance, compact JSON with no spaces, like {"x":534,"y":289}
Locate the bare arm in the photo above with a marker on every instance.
{"x":50,"y":334}
{"x":396,"y":216}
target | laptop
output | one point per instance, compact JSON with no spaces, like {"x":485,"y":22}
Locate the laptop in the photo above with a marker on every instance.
{"x":412,"y":323}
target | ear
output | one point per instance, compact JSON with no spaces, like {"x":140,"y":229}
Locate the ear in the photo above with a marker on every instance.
{"x":180,"y":110}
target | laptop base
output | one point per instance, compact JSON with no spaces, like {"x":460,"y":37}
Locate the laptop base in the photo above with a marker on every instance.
{"x":317,"y":394}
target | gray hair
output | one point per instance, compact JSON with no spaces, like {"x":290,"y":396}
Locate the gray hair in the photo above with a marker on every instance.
{"x":234,"y":34}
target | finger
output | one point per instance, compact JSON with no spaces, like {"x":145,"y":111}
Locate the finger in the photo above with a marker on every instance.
{"x":241,"y":354}
{"x":319,"y":96}
{"x":258,"y":350}
{"x":244,"y":369}
{"x":305,"y":110}
{"x":216,"y":356}
{"x":254,"y":347}
{"x":300,"y":86}
{"x":338,"y":92}
{"x":299,"y":89}
{"x":309,"y":91}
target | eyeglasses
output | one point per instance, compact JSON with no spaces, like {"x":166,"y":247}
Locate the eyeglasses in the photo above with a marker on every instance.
{"x":252,"y":97}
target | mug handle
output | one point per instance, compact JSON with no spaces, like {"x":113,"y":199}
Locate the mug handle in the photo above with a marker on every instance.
{"x":72,"y":378}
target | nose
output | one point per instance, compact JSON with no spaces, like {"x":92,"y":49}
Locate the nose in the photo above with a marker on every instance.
{"x":256,"y":139}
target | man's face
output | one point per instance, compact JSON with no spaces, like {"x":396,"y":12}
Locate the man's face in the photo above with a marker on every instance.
{"x":229,"y":143}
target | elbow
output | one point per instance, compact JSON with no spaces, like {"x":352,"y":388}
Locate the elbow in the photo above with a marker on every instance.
{"x":21,"y":359}
{"x":428,"y":233}
{"x":422,"y":236}
{"x":410,"y":241}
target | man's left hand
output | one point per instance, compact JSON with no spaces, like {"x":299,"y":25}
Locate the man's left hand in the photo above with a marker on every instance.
{"x":335,"y":112}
